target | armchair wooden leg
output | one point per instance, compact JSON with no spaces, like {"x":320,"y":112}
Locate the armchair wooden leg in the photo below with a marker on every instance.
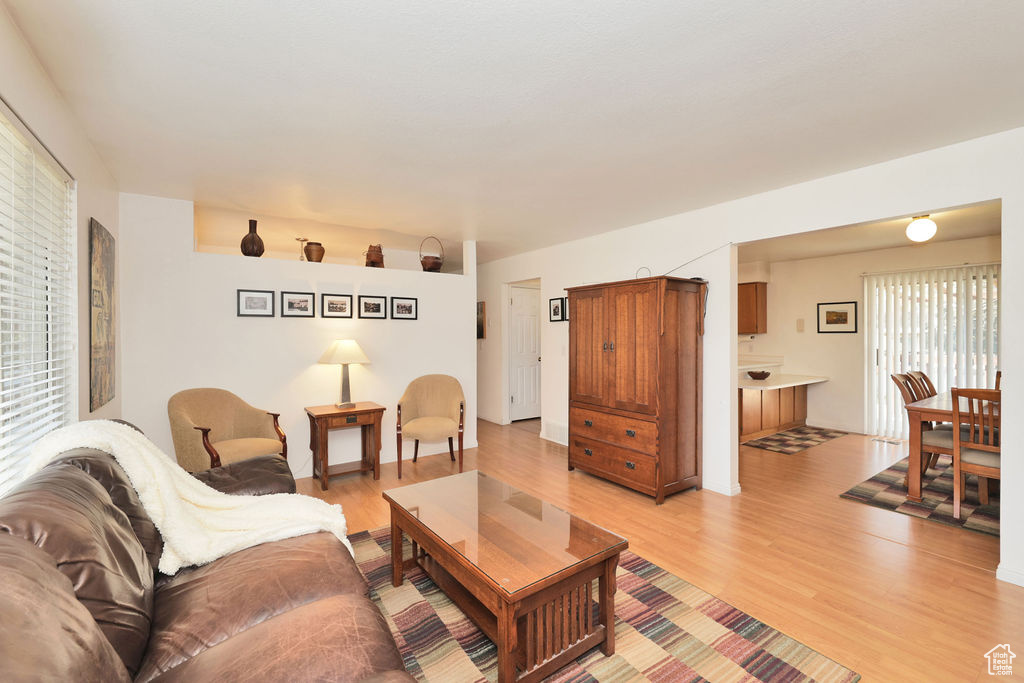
{"x":399,"y":455}
{"x":415,"y":449}
{"x":451,"y":449}
{"x":460,"y":451}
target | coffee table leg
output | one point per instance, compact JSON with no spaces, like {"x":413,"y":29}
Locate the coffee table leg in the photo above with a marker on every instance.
{"x":506,"y":643}
{"x":606,"y":604}
{"x":396,"y":552}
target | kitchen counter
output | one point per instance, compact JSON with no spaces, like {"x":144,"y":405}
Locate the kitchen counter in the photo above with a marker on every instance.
{"x":778,"y":381}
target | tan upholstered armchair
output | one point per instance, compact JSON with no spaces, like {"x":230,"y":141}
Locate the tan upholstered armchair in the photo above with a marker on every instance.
{"x":432,"y":408}
{"x":213,"y":427}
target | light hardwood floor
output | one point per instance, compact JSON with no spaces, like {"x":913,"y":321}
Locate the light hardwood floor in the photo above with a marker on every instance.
{"x":892,"y":597}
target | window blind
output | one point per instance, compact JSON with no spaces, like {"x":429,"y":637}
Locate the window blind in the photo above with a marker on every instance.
{"x":943,"y":321}
{"x":37,"y":296}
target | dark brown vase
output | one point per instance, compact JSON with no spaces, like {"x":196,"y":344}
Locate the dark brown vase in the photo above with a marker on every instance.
{"x":314,"y":252}
{"x":252,"y":244}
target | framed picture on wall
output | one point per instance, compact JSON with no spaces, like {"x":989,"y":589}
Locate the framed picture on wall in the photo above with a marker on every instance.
{"x":373,"y":306}
{"x":555,"y":308}
{"x":335,"y":305}
{"x":256,"y":303}
{"x":481,"y":320}
{"x":837,"y":317}
{"x":565,"y":308}
{"x":298,"y":304}
{"x":404,"y":308}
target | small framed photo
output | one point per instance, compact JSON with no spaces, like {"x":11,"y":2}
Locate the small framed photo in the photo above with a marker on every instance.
{"x":373,"y":306}
{"x":255,"y":303}
{"x":298,"y":304}
{"x":565,"y":308}
{"x":404,"y":308}
{"x":837,"y":317}
{"x":556,"y":310}
{"x":335,"y":305}
{"x":481,"y":320}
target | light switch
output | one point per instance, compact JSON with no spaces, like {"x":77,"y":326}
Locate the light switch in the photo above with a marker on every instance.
{"x":799,"y":324}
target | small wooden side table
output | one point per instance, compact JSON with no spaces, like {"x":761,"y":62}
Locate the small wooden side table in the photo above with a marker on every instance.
{"x":322,"y":419}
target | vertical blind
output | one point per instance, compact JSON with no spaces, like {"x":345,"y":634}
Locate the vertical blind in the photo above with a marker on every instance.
{"x":944,"y":322}
{"x":37,"y":296}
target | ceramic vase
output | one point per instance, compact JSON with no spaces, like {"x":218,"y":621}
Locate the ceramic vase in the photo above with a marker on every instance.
{"x":252,"y":244}
{"x":314,"y":252}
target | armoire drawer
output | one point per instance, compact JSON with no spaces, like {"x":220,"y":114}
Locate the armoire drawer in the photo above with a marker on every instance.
{"x":625,"y":466}
{"x":628,"y":432}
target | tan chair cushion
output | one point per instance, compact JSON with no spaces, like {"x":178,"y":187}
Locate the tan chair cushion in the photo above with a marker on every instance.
{"x":430,"y":428}
{"x":234,"y":450}
{"x":973,"y":456}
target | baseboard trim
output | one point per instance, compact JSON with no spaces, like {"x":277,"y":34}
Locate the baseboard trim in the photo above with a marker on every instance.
{"x":725,"y":489}
{"x":1010,"y":574}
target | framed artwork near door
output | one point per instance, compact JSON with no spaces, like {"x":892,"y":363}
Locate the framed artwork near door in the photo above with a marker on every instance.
{"x":481,"y":320}
{"x":556,"y":308}
{"x":837,"y":317}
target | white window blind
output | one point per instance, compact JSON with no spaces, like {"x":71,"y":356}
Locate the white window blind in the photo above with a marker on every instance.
{"x":944,"y":322}
{"x":37,"y":296}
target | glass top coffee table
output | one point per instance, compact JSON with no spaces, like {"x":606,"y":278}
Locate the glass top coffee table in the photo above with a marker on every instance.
{"x":519,"y":567}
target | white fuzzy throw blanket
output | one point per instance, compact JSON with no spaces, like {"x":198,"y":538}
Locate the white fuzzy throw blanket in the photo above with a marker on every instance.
{"x":198,"y":523}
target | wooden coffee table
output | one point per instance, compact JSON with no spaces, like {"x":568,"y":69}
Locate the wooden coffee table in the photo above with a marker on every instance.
{"x":520,"y":568}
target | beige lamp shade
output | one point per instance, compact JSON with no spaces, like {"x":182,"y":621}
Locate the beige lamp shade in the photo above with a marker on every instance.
{"x":343,"y":352}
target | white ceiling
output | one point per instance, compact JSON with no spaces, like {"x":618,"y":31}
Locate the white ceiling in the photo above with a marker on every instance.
{"x":519,"y":124}
{"x":965,"y":222}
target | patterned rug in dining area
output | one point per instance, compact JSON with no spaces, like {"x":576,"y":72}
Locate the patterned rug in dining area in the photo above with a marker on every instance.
{"x":795,"y":440}
{"x":886,"y":490}
{"x":665,"y":630}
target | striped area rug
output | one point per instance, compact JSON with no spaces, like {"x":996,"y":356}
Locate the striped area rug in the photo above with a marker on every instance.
{"x":886,"y":490}
{"x":795,"y":440}
{"x":665,"y":630}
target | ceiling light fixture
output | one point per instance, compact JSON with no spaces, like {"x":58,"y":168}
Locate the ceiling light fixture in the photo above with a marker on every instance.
{"x":921,"y":229}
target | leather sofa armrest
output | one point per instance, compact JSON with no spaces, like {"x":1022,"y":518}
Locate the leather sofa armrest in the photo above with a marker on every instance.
{"x":254,"y":477}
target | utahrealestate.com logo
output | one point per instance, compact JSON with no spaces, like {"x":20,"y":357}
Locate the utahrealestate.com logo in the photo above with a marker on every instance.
{"x":1000,"y":660}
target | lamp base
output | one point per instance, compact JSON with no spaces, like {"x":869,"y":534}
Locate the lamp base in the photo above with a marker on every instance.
{"x":345,"y":405}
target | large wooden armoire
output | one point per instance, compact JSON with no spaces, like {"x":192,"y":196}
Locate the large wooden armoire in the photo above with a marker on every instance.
{"x":635,"y":382}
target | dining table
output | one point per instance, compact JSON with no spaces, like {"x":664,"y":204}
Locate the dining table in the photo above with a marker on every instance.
{"x":937,"y":408}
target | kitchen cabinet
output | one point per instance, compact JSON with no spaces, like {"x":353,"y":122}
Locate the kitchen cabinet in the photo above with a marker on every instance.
{"x":635,"y":382}
{"x":752,"y":308}
{"x":767,"y":411}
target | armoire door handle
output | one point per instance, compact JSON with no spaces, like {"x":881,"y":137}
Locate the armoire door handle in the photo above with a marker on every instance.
{"x":604,"y":346}
{"x":588,"y":423}
{"x":611,"y":346}
{"x":587,"y":451}
{"x":631,"y":432}
{"x":630,"y":465}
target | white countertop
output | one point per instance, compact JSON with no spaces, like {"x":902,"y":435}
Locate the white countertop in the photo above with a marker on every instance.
{"x":778,"y":381}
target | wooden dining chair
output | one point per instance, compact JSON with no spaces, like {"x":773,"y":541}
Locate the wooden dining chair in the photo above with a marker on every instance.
{"x":933,"y":441}
{"x":923,"y":382}
{"x":976,"y":450}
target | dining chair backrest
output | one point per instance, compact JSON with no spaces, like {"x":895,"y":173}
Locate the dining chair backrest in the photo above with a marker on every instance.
{"x":907,"y":388}
{"x":977,"y":412}
{"x":924,"y":384}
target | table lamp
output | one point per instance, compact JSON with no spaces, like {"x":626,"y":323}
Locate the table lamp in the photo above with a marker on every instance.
{"x":344,"y":352}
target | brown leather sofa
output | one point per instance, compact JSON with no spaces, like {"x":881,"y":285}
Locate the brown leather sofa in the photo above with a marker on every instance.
{"x":80,"y":599}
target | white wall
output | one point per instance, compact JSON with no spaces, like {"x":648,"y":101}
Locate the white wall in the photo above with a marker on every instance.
{"x":27,"y":88}
{"x":182,"y":331}
{"x":977,"y":170}
{"x":794,"y":290}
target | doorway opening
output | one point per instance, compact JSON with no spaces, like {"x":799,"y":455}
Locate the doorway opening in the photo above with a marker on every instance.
{"x":830,"y":317}
{"x":524,"y":357}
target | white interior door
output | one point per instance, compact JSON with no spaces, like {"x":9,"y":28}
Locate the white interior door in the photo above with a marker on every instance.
{"x":524,"y":348}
